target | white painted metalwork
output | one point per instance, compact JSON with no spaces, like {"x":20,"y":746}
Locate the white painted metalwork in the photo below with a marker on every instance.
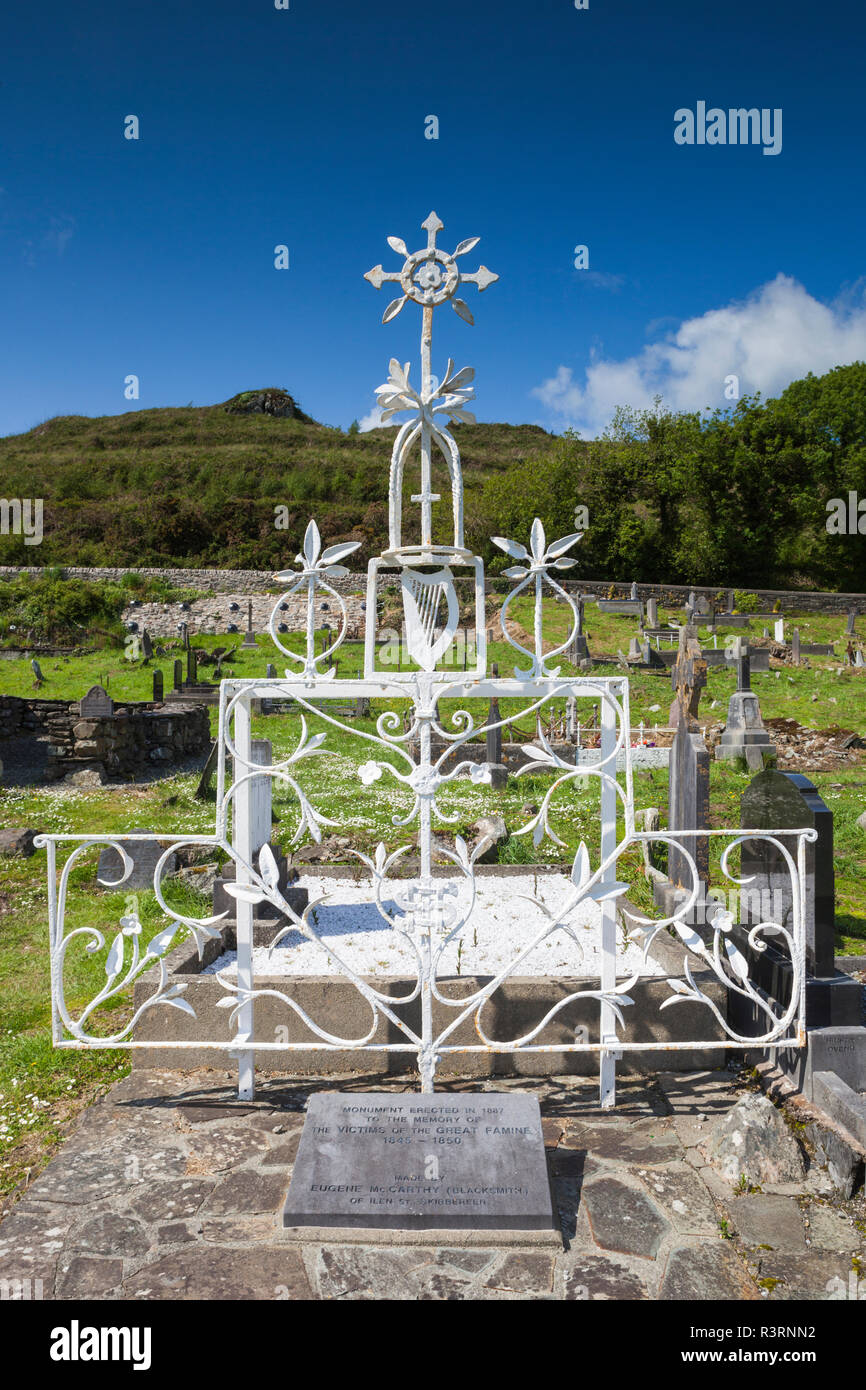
{"x":426,"y":758}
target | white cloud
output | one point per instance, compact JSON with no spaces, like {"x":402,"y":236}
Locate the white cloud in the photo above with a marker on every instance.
{"x":775,"y":335}
{"x":373,"y":420}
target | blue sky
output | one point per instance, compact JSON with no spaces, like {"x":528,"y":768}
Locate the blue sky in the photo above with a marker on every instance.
{"x":306,"y":127}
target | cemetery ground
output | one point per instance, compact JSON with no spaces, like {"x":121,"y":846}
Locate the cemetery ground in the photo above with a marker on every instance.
{"x":45,"y":1095}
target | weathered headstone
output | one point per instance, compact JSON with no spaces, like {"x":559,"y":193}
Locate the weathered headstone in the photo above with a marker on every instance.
{"x":145,"y":855}
{"x":178,"y":674}
{"x":493,"y":737}
{"x":146,"y":645}
{"x":249,"y":635}
{"x":157,"y":687}
{"x":795,"y":646}
{"x":96,"y":704}
{"x":652,"y":612}
{"x":688,"y":677}
{"x":579,"y":648}
{"x":858,"y":659}
{"x":634,"y":651}
{"x":779,"y":629}
{"x":634,"y":593}
{"x":849,"y":623}
{"x":688,"y":809}
{"x":688,"y":783}
{"x":378,"y":1160}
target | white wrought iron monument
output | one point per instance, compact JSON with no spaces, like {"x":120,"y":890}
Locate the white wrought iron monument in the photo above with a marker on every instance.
{"x":429,"y":915}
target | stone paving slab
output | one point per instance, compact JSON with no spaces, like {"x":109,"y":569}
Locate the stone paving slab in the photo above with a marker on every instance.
{"x":170,"y":1189}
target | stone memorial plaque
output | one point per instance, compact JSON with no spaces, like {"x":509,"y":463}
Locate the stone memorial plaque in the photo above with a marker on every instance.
{"x":418,"y":1162}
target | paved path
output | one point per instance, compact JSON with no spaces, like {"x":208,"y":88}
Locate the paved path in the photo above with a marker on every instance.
{"x":171,"y":1189}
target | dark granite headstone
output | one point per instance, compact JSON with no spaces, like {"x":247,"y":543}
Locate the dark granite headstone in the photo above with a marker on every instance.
{"x":145,"y":855}
{"x":178,"y":675}
{"x":404,"y":1161}
{"x":146,"y":645}
{"x":787,"y":801}
{"x":96,"y":704}
{"x":157,"y":687}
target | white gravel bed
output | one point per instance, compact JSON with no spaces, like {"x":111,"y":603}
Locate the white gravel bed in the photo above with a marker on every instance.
{"x":502,"y":923}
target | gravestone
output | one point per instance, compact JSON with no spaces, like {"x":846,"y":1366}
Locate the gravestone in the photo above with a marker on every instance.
{"x":688,"y":784}
{"x":626,"y":607}
{"x":421,"y":1162}
{"x":651,"y":657}
{"x":688,"y":677}
{"x":267,"y":919}
{"x":146,"y":645}
{"x":858,"y":659}
{"x":688,"y":809}
{"x":634,"y":594}
{"x":178,"y":675}
{"x":787,"y":801}
{"x":191,"y":667}
{"x":702,"y":605}
{"x":731,"y":600}
{"x":157,"y":687}
{"x":37,"y":671}
{"x":795,"y":646}
{"x":493,"y":737}
{"x":779,"y":629}
{"x":249,"y":635}
{"x":145,"y":855}
{"x":634,"y":651}
{"x":744,"y":735}
{"x":849,"y":624}
{"x":271,"y":671}
{"x":691,"y":601}
{"x":652,"y":612}
{"x":96,"y":704}
{"x":579,"y":649}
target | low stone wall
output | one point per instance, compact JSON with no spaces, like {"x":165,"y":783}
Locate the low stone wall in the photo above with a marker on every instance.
{"x":20,"y":716}
{"x":249,"y":582}
{"x":213,"y":615}
{"x":134,"y":737}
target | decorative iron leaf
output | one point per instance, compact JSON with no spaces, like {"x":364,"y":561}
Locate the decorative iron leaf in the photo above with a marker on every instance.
{"x":114,"y":959}
{"x":393,"y":309}
{"x":268,"y":867}
{"x":512,"y":548}
{"x":312,"y":544}
{"x":462,"y":308}
{"x":397,"y":244}
{"x":467,"y":245}
{"x":245,"y":892}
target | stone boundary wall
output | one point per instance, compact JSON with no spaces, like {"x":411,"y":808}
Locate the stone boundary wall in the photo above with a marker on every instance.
{"x":134,"y":737}
{"x":256,"y":581}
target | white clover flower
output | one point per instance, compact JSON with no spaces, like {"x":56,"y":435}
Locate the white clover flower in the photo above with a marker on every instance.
{"x":369,"y":773}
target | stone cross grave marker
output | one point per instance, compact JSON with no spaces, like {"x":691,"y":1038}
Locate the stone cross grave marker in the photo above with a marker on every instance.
{"x":249,"y":635}
{"x":744,"y":735}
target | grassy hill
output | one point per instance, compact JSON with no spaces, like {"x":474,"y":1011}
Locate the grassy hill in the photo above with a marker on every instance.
{"x":199,"y":485}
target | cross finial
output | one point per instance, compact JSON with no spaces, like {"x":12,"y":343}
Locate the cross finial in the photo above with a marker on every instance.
{"x":431,"y":276}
